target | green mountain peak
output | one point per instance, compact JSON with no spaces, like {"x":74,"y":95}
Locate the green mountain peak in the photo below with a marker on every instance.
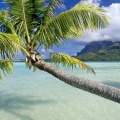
{"x":100,"y":51}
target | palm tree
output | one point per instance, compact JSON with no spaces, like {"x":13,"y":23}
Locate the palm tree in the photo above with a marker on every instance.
{"x":29,"y":25}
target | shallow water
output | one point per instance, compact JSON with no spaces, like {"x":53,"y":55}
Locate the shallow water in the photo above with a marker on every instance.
{"x":27,"y":95}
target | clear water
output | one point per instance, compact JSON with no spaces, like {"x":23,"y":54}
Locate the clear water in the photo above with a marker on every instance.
{"x":25,"y":95}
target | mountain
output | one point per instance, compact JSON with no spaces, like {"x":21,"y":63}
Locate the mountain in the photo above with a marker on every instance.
{"x":100,"y":51}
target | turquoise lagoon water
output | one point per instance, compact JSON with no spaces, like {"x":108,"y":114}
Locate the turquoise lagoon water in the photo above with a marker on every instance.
{"x":25,"y":95}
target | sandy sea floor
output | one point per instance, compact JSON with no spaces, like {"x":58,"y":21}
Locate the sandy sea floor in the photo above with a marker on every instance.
{"x":25,"y":95}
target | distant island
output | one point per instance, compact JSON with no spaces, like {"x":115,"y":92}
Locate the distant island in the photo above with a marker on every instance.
{"x":100,"y":51}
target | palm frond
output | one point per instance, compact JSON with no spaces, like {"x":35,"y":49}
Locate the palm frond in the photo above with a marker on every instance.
{"x":68,"y":61}
{"x":9,"y":45}
{"x":48,"y":14}
{"x":92,"y":15}
{"x":71,"y":23}
{"x":6,"y":66}
{"x":50,"y":9}
{"x":28,"y":14}
{"x":6,"y":25}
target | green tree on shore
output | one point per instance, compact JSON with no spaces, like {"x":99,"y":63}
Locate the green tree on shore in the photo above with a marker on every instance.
{"x":29,"y":25}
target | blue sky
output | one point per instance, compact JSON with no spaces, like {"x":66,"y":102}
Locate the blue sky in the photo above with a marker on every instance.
{"x":111,"y":33}
{"x":71,"y":3}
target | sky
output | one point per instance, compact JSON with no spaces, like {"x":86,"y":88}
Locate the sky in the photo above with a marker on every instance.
{"x":112,"y":32}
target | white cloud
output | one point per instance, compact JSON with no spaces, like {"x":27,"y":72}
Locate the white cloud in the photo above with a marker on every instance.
{"x":112,"y":32}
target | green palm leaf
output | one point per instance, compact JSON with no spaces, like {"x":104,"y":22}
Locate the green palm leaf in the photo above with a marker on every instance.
{"x":27,"y":13}
{"x":6,"y":66}
{"x":50,"y":10}
{"x":47,"y":15}
{"x":9,"y":45}
{"x":71,"y":23}
{"x":6,"y":24}
{"x":68,"y":61}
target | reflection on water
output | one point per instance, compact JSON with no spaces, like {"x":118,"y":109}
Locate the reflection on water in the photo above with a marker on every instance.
{"x":39,"y":96}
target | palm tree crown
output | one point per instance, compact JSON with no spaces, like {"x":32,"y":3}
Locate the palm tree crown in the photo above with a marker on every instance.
{"x":33,"y":23}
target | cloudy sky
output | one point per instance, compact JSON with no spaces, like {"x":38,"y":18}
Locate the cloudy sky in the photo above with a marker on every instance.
{"x":111,"y":33}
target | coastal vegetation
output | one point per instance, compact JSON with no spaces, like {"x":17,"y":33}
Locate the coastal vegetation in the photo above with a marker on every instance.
{"x":30,"y":25}
{"x":100,"y":51}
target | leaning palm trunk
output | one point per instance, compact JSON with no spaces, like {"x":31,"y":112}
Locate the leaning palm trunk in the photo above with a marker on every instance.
{"x":97,"y":88}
